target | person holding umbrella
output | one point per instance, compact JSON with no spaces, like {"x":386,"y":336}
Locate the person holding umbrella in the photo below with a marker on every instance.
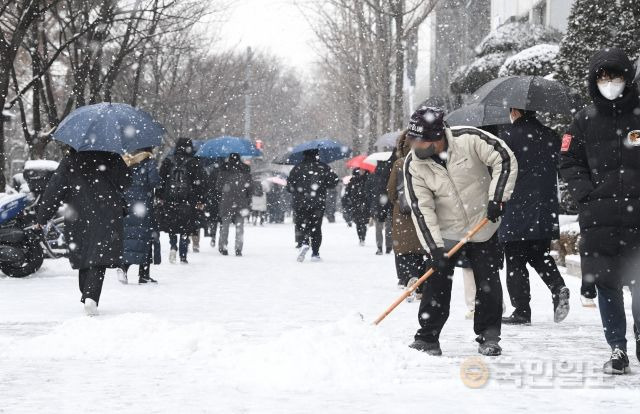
{"x":600,"y":161}
{"x":235,"y":190}
{"x":91,"y":180}
{"x":379,"y":205}
{"x":92,"y":185}
{"x":356,"y":202}
{"x":450,"y":190}
{"x":308,"y":183}
{"x":530,"y":221}
{"x":181,"y":197}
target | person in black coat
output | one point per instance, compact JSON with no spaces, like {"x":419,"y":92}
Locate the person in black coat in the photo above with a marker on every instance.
{"x":308,"y":183}
{"x":379,"y":205}
{"x":600,"y":161}
{"x":140,"y":227}
{"x":234,"y":187}
{"x":356,"y":202}
{"x":212,"y":200}
{"x":181,"y":197}
{"x":92,"y":185}
{"x":530,"y":220}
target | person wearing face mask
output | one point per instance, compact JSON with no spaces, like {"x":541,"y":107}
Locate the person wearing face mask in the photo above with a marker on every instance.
{"x":455,"y":177}
{"x":600,"y":161}
{"x":531,"y":216}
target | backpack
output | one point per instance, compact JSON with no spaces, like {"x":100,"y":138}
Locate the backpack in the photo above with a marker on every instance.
{"x":179,"y":185}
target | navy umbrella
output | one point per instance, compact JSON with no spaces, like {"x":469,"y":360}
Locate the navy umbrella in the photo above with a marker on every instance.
{"x":109,"y":127}
{"x":222,"y":147}
{"x":477,"y":115}
{"x":328,"y":149}
{"x":533,"y":93}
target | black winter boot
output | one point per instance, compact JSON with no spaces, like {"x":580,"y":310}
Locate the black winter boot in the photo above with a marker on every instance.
{"x":618,"y":364}
{"x":488,"y":347}
{"x":430,"y":348}
{"x":517,"y":319}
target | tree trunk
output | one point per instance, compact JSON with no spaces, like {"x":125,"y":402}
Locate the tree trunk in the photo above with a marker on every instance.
{"x":399,"y":71}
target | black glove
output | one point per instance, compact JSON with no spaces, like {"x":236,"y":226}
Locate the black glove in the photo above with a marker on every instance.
{"x":495,"y":210}
{"x":440,"y":260}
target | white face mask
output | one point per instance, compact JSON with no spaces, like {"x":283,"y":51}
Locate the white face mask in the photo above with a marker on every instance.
{"x":611,"y":89}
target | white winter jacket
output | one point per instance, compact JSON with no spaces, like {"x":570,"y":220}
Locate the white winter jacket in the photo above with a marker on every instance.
{"x":448,"y":202}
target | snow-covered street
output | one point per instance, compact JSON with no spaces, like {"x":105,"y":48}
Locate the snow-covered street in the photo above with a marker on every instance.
{"x":264,"y":334}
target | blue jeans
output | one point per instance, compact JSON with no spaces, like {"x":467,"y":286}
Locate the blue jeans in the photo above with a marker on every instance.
{"x":184,"y":244}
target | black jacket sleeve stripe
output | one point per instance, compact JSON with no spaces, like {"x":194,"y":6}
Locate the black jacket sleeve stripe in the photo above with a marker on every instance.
{"x":504,"y":154}
{"x":424,"y":229}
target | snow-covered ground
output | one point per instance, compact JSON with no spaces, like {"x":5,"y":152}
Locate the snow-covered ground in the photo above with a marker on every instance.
{"x":265,"y":334}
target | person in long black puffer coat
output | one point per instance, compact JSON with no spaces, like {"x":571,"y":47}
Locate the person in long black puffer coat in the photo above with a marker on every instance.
{"x":530,"y":218}
{"x":600,"y":161}
{"x":356,"y":202}
{"x":181,"y":197}
{"x":92,"y":185}
{"x":140,"y":227}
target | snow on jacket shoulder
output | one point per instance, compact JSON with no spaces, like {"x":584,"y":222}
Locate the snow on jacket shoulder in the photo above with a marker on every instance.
{"x":448,"y":202}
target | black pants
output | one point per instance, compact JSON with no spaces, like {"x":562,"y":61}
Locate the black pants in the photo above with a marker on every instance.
{"x":411,"y":265}
{"x":361,"y":228}
{"x":309,"y":228}
{"x":609,"y":262}
{"x":184,"y":244}
{"x":486,"y":260}
{"x":90,"y":281}
{"x":536,"y":253}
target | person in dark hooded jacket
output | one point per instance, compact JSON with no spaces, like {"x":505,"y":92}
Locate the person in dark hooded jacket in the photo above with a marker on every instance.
{"x":92,"y":186}
{"x":140,"y":227}
{"x":600,"y":161}
{"x":181,"y":197}
{"x":234,"y":188}
{"x":308,"y":183}
{"x":379,"y":205}
{"x":356,"y":202}
{"x":530,"y":219}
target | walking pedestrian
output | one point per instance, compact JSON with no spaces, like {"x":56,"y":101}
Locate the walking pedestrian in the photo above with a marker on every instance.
{"x":212,"y":201}
{"x":356,"y":202}
{"x":531,"y":216}
{"x":258,"y":203}
{"x":92,"y":185}
{"x":600,"y":161}
{"x":410,"y":257}
{"x":181,"y":198}
{"x":234,"y":187}
{"x":140,"y":228}
{"x":308,"y":183}
{"x":379,"y":206}
{"x":455,"y":178}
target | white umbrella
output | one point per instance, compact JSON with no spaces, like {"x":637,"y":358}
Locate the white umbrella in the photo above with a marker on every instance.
{"x":378,"y":156}
{"x":388,"y":140}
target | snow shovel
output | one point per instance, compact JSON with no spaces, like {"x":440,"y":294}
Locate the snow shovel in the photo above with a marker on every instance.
{"x":430,"y":272}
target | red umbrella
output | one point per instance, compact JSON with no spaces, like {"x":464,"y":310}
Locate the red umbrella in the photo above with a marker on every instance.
{"x":358,"y":162}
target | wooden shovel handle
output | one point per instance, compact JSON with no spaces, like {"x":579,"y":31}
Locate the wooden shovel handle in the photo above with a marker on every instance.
{"x":430,"y":272}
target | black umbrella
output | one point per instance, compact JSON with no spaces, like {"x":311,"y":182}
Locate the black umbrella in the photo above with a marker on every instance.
{"x":478,"y":115}
{"x":533,"y":93}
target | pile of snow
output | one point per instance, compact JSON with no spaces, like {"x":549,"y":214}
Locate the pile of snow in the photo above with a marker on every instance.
{"x":517,"y":36}
{"x":537,"y":60}
{"x":41,"y":165}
